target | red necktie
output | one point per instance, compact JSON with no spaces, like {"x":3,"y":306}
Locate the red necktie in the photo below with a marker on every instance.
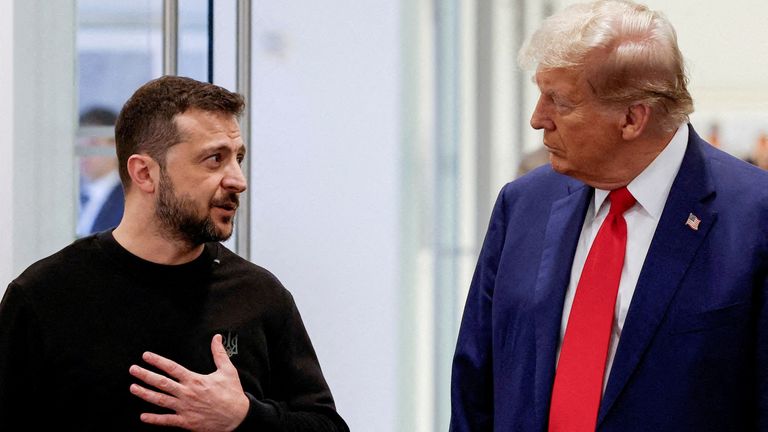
{"x":579,"y":377}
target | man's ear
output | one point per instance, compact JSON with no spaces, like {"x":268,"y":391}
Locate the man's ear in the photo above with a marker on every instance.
{"x":144,"y":172}
{"x":635,"y":120}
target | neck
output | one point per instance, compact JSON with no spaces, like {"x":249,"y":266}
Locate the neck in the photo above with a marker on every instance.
{"x":143,"y":237}
{"x":630,"y":162}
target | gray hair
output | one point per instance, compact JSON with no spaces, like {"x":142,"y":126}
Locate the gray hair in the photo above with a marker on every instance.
{"x":628,"y":52}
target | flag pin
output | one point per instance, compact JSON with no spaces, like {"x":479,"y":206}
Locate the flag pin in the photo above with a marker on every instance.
{"x":693,"y":222}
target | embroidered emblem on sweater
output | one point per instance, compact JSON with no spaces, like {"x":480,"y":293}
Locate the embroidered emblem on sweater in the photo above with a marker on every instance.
{"x":229,"y":339}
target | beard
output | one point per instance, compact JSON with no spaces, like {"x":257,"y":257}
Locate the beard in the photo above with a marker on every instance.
{"x":181,"y":220}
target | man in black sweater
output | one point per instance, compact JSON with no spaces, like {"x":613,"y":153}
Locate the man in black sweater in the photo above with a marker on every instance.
{"x":156,"y":324}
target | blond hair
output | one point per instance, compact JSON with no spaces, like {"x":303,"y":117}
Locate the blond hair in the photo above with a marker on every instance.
{"x":628,"y":52}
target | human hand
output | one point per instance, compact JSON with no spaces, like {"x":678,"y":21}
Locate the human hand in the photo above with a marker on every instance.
{"x":213,"y":402}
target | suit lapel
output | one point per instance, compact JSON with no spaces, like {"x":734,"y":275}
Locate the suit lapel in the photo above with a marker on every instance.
{"x":672,"y":249}
{"x":562,"y":234}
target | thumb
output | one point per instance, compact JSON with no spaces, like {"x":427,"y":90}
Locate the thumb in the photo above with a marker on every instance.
{"x":220,"y":357}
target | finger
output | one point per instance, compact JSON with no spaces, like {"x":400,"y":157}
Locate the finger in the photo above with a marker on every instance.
{"x":220,"y":356}
{"x":166,"y":365}
{"x":155,"y":380}
{"x":163,"y":419}
{"x":153,"y":397}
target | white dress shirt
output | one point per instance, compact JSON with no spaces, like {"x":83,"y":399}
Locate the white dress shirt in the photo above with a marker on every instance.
{"x":650,"y":189}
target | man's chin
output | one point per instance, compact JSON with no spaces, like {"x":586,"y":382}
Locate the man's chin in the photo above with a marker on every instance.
{"x":224,"y":231}
{"x":558,"y":165}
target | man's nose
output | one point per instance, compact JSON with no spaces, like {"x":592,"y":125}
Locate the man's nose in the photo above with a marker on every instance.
{"x":540,"y":119}
{"x":234,"y":179}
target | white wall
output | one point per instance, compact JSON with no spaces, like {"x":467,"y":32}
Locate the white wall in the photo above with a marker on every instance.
{"x":6,"y":142}
{"x":325,"y":149}
{"x":37,"y":127}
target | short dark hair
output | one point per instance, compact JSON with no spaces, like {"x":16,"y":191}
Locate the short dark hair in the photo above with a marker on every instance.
{"x":146,"y":122}
{"x":98,"y":116}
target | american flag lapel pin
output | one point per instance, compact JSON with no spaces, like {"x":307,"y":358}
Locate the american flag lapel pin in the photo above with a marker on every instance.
{"x":693,"y":222}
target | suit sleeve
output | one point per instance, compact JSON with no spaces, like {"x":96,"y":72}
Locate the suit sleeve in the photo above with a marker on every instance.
{"x":303,"y":402}
{"x":762,"y":355}
{"x":472,"y":374}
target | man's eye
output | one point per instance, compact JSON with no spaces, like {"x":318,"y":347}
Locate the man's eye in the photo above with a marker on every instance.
{"x":562,"y":106}
{"x":240,"y":159}
{"x":216,"y":157}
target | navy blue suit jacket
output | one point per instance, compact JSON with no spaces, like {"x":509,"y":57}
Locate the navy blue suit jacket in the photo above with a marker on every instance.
{"x":693,"y":353}
{"x":111,"y":211}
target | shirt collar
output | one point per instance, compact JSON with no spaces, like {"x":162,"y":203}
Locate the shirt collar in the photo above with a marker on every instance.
{"x":651,"y":187}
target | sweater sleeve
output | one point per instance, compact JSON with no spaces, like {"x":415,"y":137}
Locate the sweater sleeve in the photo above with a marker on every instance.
{"x":21,"y":371}
{"x":303,"y":401}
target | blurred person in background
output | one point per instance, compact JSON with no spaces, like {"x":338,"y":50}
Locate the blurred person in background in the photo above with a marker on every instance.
{"x":533,"y":160}
{"x":759,"y":156}
{"x":101,"y":193}
{"x":713,"y":137}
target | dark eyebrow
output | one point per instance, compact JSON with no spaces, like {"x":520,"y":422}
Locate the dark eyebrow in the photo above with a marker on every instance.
{"x":223,"y":147}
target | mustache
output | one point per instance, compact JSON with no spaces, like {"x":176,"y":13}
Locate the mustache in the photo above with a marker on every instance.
{"x":231,"y":201}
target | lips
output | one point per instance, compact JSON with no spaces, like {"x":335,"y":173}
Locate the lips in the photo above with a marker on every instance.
{"x":229,"y":203}
{"x":228,"y":210}
{"x":228,"y":206}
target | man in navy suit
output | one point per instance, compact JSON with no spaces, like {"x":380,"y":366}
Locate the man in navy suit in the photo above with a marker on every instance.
{"x":101,"y":194}
{"x":686,"y":339}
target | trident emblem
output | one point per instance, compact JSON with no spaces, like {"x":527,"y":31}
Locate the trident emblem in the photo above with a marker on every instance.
{"x":229,"y":339}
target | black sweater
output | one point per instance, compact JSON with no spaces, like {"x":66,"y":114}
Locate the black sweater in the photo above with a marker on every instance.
{"x":73,"y":323}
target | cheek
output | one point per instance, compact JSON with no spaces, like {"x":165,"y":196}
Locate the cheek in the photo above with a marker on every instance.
{"x":196,"y":195}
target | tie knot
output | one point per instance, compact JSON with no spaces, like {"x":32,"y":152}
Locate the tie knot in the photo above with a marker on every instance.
{"x":621,"y":200}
